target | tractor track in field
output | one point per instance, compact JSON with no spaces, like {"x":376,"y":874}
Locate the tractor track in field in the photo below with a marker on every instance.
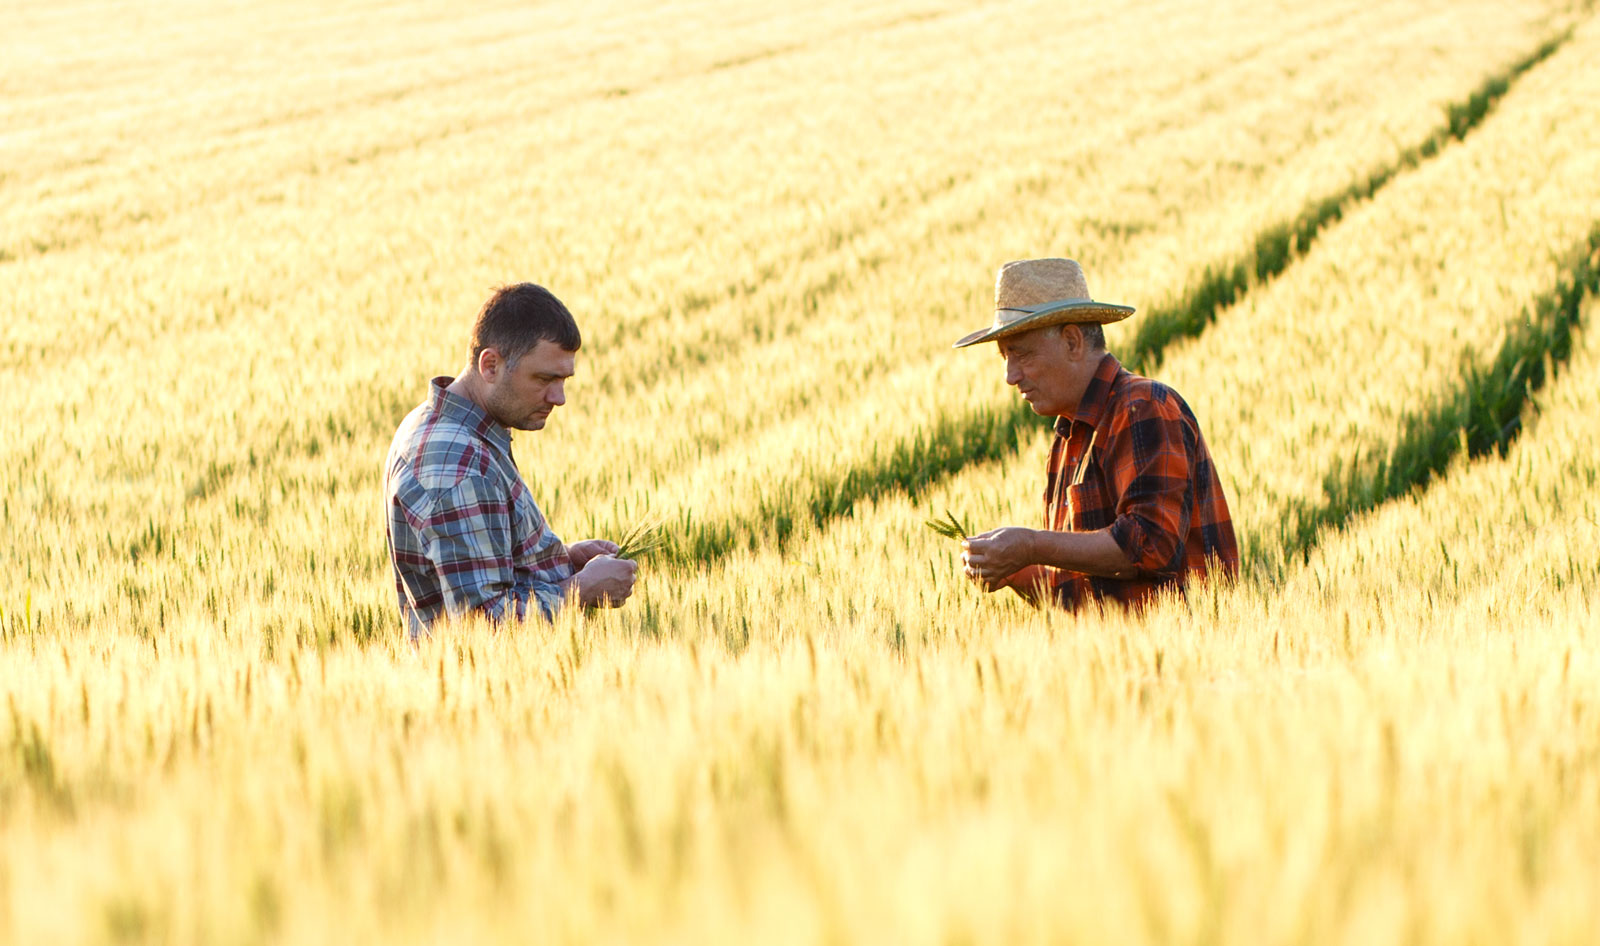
{"x":1219,"y":286}
{"x":913,"y":464}
{"x":1482,"y":413}
{"x":933,"y":453}
{"x":950,"y":444}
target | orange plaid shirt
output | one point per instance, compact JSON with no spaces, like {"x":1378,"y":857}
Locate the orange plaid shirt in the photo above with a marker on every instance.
{"x":1132,"y":459}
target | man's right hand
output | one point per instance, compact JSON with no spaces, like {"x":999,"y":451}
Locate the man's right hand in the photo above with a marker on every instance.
{"x":991,"y":558}
{"x":605,"y":581}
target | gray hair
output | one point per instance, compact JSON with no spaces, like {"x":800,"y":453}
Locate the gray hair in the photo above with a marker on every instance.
{"x":1094,"y":335}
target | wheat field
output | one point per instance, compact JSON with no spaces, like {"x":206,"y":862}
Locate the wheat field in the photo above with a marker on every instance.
{"x":236,"y":241}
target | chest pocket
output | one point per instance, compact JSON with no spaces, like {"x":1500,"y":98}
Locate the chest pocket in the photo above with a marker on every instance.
{"x":1089,"y":505}
{"x":1088,"y":493}
{"x":1080,"y":500}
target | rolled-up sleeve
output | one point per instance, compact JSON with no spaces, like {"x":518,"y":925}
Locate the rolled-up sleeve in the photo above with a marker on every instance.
{"x":466,"y":536}
{"x":1151,"y":464}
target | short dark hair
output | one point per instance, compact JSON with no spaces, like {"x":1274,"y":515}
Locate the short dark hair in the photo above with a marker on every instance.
{"x":517,"y":318}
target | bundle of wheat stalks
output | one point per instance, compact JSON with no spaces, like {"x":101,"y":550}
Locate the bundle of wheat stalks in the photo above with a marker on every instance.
{"x":647,"y":536}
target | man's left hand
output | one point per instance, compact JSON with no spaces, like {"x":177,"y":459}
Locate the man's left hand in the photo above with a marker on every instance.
{"x":582,"y":552}
{"x":992,"y":557}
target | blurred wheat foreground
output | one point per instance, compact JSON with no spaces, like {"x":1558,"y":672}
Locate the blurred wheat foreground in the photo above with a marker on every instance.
{"x":236,"y":240}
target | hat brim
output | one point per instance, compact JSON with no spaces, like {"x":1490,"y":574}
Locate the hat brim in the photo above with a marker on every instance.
{"x":1053,"y":313}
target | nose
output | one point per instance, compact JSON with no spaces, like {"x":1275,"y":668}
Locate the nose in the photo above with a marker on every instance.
{"x":1013,"y":372}
{"x":555,"y":395}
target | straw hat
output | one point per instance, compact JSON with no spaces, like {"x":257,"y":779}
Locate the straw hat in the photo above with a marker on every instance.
{"x":1033,"y":293}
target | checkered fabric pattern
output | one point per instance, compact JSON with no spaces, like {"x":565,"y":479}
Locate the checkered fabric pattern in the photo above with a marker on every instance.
{"x":464,"y":532}
{"x":1132,"y":459}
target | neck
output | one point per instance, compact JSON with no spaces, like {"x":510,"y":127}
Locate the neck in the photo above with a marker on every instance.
{"x":469,"y":384}
{"x":1083,"y":373}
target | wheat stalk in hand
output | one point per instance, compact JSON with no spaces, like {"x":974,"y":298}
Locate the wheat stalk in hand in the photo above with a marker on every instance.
{"x":645,"y":537}
{"x":950,"y":527}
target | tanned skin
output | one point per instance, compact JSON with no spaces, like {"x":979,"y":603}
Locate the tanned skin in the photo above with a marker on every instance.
{"x":1051,"y":368}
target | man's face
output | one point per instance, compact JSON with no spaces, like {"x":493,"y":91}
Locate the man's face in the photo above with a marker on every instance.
{"x":522,"y":395}
{"x":1040,"y":365}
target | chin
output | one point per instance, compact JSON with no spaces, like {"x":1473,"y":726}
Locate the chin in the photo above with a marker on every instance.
{"x":531,"y":423}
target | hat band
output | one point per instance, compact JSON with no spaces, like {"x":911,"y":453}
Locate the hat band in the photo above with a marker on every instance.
{"x":1038,"y":307}
{"x":1024,"y":311}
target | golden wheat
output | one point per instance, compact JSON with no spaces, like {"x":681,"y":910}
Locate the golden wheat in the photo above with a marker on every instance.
{"x":227,"y":280}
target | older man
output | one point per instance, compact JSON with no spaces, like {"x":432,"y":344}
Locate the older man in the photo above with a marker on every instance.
{"x":1132,"y":503}
{"x":465,"y":534}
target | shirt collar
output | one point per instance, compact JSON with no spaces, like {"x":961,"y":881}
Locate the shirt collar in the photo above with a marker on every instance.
{"x":448,"y":404}
{"x":1096,"y":397}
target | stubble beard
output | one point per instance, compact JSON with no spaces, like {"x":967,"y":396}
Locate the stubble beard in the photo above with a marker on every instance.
{"x":496,"y":406}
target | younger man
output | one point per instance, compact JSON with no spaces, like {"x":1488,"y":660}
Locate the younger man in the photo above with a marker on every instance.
{"x":464,"y":531}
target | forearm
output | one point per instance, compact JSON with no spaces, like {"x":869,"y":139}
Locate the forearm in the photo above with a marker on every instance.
{"x":1012,"y":557}
{"x":1090,"y":553}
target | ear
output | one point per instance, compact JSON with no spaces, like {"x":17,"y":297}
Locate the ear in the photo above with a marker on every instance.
{"x":489,"y":365}
{"x":1073,"y":340}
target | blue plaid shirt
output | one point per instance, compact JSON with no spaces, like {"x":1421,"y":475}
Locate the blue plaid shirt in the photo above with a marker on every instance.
{"x":464,"y":532}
